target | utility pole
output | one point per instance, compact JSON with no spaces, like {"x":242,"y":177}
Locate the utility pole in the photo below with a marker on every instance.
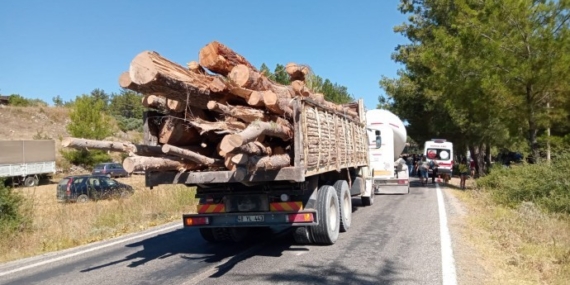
{"x":548,"y":132}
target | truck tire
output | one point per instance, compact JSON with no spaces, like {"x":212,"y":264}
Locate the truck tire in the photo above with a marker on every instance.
{"x":302,"y":235}
{"x":30,"y":181}
{"x":345,"y":203}
{"x":82,"y":198}
{"x":208,"y":235}
{"x":368,"y":201}
{"x":221,"y":234}
{"x":238,"y":235}
{"x":326,"y":232}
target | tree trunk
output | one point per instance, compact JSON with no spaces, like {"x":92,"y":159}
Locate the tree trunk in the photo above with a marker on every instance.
{"x":144,"y":163}
{"x":156,"y":73}
{"x":231,"y":142}
{"x":272,"y":162}
{"x":532,"y":126}
{"x":151,"y":124}
{"x":251,"y":148}
{"x":300,"y":88}
{"x":220,"y":59}
{"x":241,"y":112}
{"x":221,"y":126}
{"x":127,"y":147}
{"x":190,"y":155}
{"x":175,"y":131}
{"x":296,"y":71}
{"x":161,"y":103}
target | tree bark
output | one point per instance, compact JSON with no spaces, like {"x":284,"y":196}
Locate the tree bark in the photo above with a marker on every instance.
{"x":220,"y":59}
{"x":296,"y":71}
{"x":175,"y":131}
{"x":190,"y":155}
{"x":246,"y":114}
{"x":231,"y":142}
{"x":251,"y":148}
{"x":144,"y":163}
{"x":155,"y":73}
{"x":272,"y":162}
{"x":127,"y":147}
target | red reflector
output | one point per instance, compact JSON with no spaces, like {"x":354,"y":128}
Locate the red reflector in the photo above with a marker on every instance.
{"x":196,"y":221}
{"x":402,"y":181}
{"x":300,"y":218}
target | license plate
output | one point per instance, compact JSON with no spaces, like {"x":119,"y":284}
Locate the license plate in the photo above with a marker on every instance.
{"x":250,"y":219}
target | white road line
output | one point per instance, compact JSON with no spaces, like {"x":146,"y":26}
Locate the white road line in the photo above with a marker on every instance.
{"x":88,"y":250}
{"x":447,"y":261}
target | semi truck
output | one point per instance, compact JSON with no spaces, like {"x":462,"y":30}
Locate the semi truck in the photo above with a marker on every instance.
{"x":313,"y":196}
{"x":389,"y":171}
{"x":25,"y":162}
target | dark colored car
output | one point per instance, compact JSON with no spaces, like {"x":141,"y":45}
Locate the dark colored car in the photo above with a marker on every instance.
{"x":110,"y":169}
{"x":82,"y":188}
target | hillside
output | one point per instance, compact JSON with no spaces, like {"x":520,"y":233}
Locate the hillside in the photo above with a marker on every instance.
{"x":28,"y":123}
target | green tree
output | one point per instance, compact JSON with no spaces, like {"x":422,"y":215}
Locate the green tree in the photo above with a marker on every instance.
{"x":57,"y":101}
{"x":280,"y":75}
{"x":99,"y":94}
{"x":88,"y":119}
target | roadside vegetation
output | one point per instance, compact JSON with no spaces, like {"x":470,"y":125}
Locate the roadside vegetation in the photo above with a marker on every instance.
{"x":519,"y":222}
{"x":33,"y":222}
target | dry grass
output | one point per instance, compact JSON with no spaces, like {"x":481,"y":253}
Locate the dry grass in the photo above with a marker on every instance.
{"x":59,"y":226}
{"x":518,"y":246}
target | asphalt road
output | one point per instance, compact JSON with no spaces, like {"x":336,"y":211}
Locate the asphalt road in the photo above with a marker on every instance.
{"x":395,"y":241}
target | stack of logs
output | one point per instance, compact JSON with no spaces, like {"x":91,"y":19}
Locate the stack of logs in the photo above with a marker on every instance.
{"x":230,"y":118}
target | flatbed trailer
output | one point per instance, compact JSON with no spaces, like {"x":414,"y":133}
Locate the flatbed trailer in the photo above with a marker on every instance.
{"x":314,"y":195}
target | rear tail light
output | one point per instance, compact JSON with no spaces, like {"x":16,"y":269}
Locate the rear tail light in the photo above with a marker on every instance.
{"x":300,"y":218}
{"x":402,"y":181}
{"x":68,"y":189}
{"x":196,"y":221}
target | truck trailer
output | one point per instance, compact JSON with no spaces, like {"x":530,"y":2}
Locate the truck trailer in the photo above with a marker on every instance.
{"x":389,"y":172}
{"x":25,"y":162}
{"x":330,"y":165}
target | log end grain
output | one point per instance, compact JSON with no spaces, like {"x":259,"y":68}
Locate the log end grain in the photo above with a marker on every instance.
{"x":240,"y":75}
{"x":142,"y":69}
{"x":125,"y":80}
{"x":230,"y":143}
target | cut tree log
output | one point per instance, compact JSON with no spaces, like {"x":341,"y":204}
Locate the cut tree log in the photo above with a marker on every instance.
{"x":246,"y":114}
{"x":246,"y":77}
{"x":175,"y":131}
{"x":297,"y":71}
{"x":300,"y":88}
{"x":220,"y":59}
{"x":196,"y":67}
{"x":162,"y":103}
{"x":227,"y":126}
{"x":252,"y":97}
{"x":251,"y":148}
{"x":193,"y":156}
{"x":273,"y":162}
{"x":144,"y":163}
{"x":127,"y":147}
{"x":153,"y":72}
{"x":230,"y":142}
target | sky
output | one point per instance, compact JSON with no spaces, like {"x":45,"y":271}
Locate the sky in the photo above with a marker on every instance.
{"x":69,"y":48}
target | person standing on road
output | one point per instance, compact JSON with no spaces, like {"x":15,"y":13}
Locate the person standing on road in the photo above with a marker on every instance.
{"x":410,"y":163}
{"x":424,"y":168}
{"x":433,"y":166}
{"x":463,"y":172}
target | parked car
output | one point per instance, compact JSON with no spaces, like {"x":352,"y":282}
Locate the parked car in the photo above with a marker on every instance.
{"x":82,"y":188}
{"x":110,"y":169}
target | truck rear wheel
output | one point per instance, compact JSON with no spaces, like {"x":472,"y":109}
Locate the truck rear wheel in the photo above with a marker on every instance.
{"x":326,"y":232}
{"x":302,"y":235}
{"x":345,"y":202}
{"x":30,"y":181}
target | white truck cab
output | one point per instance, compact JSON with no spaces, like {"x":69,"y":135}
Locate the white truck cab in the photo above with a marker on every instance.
{"x":440,"y":151}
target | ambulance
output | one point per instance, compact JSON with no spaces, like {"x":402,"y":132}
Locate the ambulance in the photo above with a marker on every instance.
{"x":440,"y":151}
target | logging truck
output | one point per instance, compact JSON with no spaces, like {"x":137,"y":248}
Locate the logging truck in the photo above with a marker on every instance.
{"x":260,"y":153}
{"x":314,"y":195}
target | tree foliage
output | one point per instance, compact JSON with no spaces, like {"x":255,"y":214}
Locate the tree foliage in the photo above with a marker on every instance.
{"x":482,"y":73}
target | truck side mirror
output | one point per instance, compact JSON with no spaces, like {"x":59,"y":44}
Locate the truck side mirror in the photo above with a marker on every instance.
{"x":378,"y":139}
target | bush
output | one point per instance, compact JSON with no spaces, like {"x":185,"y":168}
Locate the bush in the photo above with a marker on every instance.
{"x":129,"y":124}
{"x":85,"y":158}
{"x":11,"y":217}
{"x":546,"y":185}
